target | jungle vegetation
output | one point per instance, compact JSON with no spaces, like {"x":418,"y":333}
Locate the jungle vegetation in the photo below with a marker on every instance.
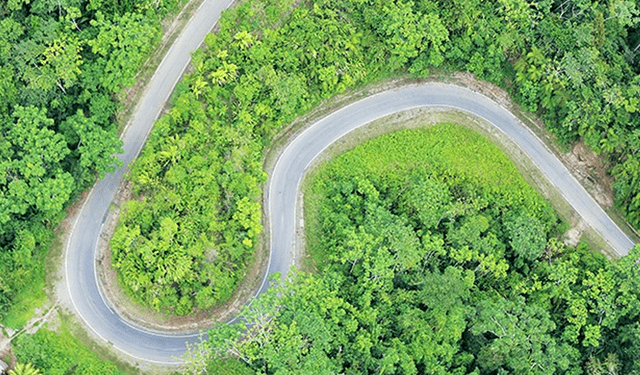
{"x":185,"y":242}
{"x":63,"y":64}
{"x":58,"y":351}
{"x":574,"y":63}
{"x":429,"y":263}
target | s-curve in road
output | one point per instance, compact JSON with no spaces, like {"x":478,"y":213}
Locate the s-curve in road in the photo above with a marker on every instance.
{"x":298,"y":155}
{"x":80,"y":259}
{"x":284,"y":182}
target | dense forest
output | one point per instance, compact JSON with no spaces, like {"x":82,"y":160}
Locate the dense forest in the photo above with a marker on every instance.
{"x":573,"y":63}
{"x":429,"y":263}
{"x":62,"y":65}
{"x":185,"y":242}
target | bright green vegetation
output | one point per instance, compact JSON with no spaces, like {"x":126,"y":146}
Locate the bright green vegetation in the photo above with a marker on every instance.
{"x":433,"y":263}
{"x":62,"y":63}
{"x":187,"y":241}
{"x":60,"y":353}
{"x":398,"y":168}
{"x":33,"y":294}
{"x":24,"y":369}
{"x":573,"y":63}
{"x":185,"y":244}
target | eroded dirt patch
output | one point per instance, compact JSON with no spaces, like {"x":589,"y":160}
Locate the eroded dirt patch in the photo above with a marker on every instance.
{"x":591,"y":171}
{"x":6,"y":354}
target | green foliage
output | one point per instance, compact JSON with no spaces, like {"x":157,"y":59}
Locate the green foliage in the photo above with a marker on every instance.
{"x":470,"y":282}
{"x":60,"y":353}
{"x":32,"y":291}
{"x":269,"y":63}
{"x":61,"y":63}
{"x":230,"y":367}
{"x":527,"y":237}
{"x":518,"y":338}
{"x":186,"y":246}
{"x":122,"y":44}
{"x":446,"y":267}
{"x":25,"y":369}
{"x":202,"y":167}
{"x":34,"y":176}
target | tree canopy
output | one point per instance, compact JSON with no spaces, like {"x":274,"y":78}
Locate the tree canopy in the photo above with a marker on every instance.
{"x":274,"y":60}
{"x":185,"y":241}
{"x":397,"y":292}
{"x":62,"y":64}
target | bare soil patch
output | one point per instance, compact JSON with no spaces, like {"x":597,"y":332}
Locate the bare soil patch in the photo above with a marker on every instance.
{"x":591,"y":171}
{"x":573,"y":235}
{"x":6,"y":354}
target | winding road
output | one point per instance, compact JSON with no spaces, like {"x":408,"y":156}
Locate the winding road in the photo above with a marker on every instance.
{"x":80,"y":261}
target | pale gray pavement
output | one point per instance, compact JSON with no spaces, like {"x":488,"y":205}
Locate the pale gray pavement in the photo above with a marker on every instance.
{"x":80,"y":261}
{"x":283,"y":184}
{"x":298,"y":155}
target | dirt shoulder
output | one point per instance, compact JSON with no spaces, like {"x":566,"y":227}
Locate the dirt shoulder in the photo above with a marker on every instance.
{"x":586,"y":167}
{"x":6,"y":354}
{"x":150,"y":319}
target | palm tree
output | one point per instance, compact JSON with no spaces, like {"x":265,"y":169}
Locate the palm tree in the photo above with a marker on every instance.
{"x":608,"y":367}
{"x":25,"y":369}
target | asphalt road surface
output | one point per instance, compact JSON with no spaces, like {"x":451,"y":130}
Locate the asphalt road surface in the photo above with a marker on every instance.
{"x":298,"y":155}
{"x":80,"y":263}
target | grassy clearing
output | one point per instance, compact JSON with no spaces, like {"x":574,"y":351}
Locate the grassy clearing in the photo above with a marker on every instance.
{"x":32,"y":297}
{"x":443,"y":149}
{"x":35,"y":297}
{"x":427,"y":117}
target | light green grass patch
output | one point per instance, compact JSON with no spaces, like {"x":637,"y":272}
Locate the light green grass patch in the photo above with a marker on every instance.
{"x":23,"y":309}
{"x":447,"y":149}
{"x":31,"y":297}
